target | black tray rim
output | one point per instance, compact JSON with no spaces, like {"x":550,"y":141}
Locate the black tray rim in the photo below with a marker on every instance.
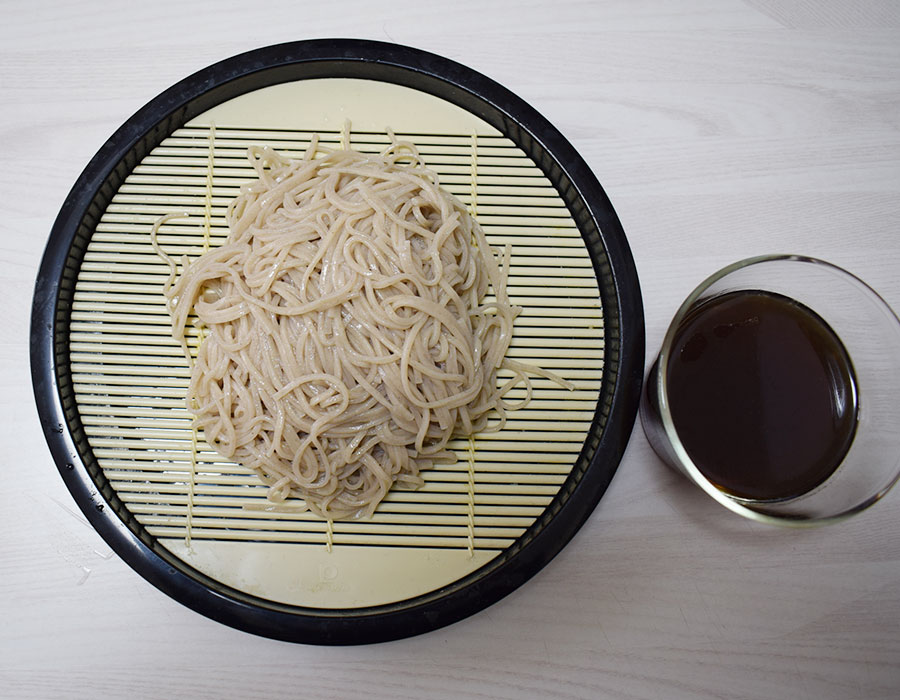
{"x":570,"y":508}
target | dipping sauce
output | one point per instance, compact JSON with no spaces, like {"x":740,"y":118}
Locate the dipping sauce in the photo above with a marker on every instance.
{"x":762,"y":393}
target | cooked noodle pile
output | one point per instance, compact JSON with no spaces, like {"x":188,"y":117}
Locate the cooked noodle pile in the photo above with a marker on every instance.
{"x":347,"y":337}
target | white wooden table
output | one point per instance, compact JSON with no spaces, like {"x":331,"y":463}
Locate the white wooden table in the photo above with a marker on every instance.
{"x":720,"y":129}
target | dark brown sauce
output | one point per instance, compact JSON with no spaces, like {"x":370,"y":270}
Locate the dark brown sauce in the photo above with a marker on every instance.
{"x":762,"y":393}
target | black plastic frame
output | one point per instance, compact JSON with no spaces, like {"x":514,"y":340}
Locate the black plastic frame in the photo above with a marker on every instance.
{"x":589,"y":206}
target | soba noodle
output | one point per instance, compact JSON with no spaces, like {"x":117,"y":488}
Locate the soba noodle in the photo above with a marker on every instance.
{"x":347,"y":333}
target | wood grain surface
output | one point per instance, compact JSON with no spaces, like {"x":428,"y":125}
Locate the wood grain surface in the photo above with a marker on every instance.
{"x":720,"y":129}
